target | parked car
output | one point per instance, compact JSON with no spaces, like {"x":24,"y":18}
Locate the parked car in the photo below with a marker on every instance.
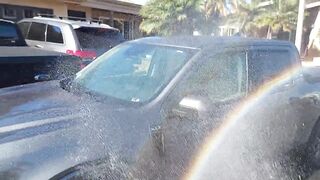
{"x":85,"y":39}
{"x":20,"y":64}
{"x":143,"y":110}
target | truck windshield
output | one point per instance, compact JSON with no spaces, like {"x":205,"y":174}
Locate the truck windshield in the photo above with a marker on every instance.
{"x":133,"y":72}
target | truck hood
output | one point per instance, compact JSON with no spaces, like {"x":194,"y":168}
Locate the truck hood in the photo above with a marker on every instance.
{"x":45,"y":130}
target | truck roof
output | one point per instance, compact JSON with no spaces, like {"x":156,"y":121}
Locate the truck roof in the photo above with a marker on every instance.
{"x":202,"y":42}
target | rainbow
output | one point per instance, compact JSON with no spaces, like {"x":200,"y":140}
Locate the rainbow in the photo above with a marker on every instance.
{"x":212,"y":142}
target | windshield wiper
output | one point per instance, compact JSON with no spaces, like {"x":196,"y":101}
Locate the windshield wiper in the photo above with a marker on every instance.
{"x":70,"y":85}
{"x":67,"y":83}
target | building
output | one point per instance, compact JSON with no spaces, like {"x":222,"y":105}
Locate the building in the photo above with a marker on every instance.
{"x":311,"y":36}
{"x":121,"y":14}
{"x":228,"y":30}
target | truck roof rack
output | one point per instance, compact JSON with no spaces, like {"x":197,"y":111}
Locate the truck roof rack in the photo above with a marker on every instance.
{"x":90,"y":20}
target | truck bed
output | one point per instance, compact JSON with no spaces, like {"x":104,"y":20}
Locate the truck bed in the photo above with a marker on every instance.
{"x":19,"y":65}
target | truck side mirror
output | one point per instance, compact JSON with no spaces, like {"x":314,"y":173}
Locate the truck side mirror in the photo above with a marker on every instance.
{"x":188,"y":108}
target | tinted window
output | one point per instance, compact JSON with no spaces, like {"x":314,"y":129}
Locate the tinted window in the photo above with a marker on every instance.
{"x":221,"y":77}
{"x":24,"y":27}
{"x":37,"y":32}
{"x":266,"y":65}
{"x":54,"y":34}
{"x":8,"y":31}
{"x":98,"y":37}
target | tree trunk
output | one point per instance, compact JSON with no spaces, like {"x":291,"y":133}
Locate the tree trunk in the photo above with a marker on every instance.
{"x":290,"y":34}
{"x":269,"y":33}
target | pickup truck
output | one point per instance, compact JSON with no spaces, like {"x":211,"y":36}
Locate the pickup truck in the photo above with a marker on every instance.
{"x":20,"y":64}
{"x":168,"y":108}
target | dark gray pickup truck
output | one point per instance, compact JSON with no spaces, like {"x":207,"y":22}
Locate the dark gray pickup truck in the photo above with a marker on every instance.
{"x":168,"y":108}
{"x":20,"y":64}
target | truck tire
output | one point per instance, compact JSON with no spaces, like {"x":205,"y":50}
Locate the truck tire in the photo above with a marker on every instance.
{"x":313,"y":146}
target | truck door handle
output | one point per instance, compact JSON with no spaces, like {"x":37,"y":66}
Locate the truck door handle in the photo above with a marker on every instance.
{"x":38,"y":46}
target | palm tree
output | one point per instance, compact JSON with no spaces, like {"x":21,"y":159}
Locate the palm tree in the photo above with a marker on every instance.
{"x":169,"y":17}
{"x":253,"y":17}
{"x":212,"y":12}
{"x":243,"y":14}
{"x":281,"y":16}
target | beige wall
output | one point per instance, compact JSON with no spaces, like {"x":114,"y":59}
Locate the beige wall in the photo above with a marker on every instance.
{"x":59,"y":8}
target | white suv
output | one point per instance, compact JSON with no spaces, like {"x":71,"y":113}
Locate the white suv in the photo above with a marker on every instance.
{"x":85,"y":39}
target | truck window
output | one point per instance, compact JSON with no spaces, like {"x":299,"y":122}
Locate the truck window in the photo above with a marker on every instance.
{"x":95,"y":38}
{"x":265,"y":65}
{"x":24,"y":27}
{"x":8,"y":31}
{"x":37,"y":32}
{"x":221,"y":77}
{"x":54,"y":34}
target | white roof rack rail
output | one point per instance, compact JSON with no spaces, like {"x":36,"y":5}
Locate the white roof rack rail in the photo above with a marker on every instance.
{"x":89,"y":20}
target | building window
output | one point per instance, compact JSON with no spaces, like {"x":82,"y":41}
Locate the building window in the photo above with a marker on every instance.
{"x":76,"y":15}
{"x":9,"y":13}
{"x":126,"y":29}
{"x":28,"y":13}
{"x":108,"y":21}
{"x":119,"y":25}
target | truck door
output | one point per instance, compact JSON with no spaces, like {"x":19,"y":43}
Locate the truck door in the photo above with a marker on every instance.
{"x":282,"y":115}
{"x":197,"y":105}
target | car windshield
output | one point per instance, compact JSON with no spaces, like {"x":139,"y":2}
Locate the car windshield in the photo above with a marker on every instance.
{"x":94,"y":38}
{"x":133,"y":72}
